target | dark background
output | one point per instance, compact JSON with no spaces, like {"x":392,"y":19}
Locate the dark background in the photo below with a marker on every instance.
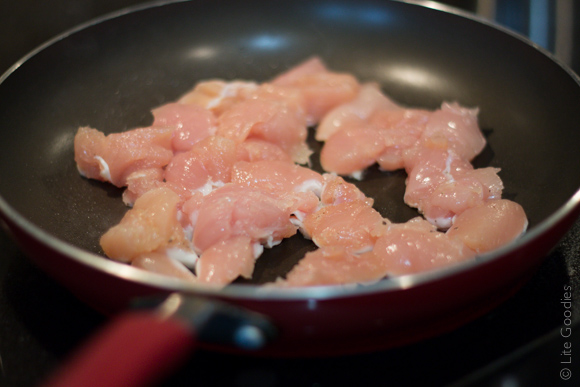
{"x":517,"y":344}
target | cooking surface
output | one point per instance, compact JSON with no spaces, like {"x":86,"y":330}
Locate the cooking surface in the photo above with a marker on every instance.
{"x":40,"y":322}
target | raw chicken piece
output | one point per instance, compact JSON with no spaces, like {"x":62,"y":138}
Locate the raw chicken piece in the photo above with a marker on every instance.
{"x":186,"y":174}
{"x":88,"y":143}
{"x":254,"y":149}
{"x":191,"y":124}
{"x":335,"y":191}
{"x":236,"y":210}
{"x":277,"y":176}
{"x":356,"y":112}
{"x":354,"y":225}
{"x":114,"y":157}
{"x":190,"y":211}
{"x":332,"y":265}
{"x":490,"y":225}
{"x":441,"y":185}
{"x":466,"y":190}
{"x":370,"y":129}
{"x":297,"y":188}
{"x":289,"y":95}
{"x":151,"y":225}
{"x":217,"y":155}
{"x":416,"y":246}
{"x":162,"y":264}
{"x":206,"y":165}
{"x":457,"y":128}
{"x":270,"y":120}
{"x":299,"y":205}
{"x":295,"y":205}
{"x":311,"y":66}
{"x":351,"y":150}
{"x":400,"y":129}
{"x":218,"y":95}
{"x":226,"y":260}
{"x":140,"y":182}
{"x":322,"y":89}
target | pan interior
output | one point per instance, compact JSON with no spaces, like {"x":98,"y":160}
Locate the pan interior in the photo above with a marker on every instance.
{"x":111,"y":74}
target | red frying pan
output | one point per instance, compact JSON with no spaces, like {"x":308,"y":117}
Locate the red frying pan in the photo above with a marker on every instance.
{"x":110,"y":73}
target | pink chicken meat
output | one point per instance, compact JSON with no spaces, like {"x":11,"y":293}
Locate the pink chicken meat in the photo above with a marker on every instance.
{"x":216,"y":179}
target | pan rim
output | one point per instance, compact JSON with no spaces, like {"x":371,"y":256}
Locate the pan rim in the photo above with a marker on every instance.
{"x":260,"y":292}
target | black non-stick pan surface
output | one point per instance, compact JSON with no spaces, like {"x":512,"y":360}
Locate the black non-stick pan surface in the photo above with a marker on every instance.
{"x":112,"y":84}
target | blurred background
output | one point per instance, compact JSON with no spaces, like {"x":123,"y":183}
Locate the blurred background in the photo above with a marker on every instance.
{"x":515,"y":345}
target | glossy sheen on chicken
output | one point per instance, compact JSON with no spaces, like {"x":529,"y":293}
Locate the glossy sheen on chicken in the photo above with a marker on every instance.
{"x":221,"y":174}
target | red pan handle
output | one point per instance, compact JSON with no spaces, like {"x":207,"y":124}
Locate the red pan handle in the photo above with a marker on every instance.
{"x":135,"y":349}
{"x":140,"y":347}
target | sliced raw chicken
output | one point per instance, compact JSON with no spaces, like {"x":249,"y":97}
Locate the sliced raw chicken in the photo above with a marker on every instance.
{"x":370,"y":129}
{"x":151,"y":225}
{"x":88,"y":143}
{"x":311,"y":66}
{"x":226,"y":260}
{"x":322,"y":89}
{"x":114,"y":157}
{"x":299,"y":205}
{"x":140,"y":182}
{"x":396,"y":130}
{"x":291,"y":96}
{"x":276,"y":176}
{"x":354,"y":225}
{"x":270,"y":120}
{"x":297,"y":188}
{"x":335,"y":191}
{"x":466,"y":190}
{"x":351,"y":150}
{"x":190,"y":211}
{"x":400,"y":129}
{"x":191,"y":123}
{"x":441,"y":185}
{"x":186,"y":174}
{"x":206,"y":165}
{"x":357,"y":112}
{"x":457,"y":127}
{"x":236,"y":210}
{"x":332,"y":265}
{"x":254,"y":149}
{"x":490,"y":225}
{"x":414,"y":247}
{"x":218,"y":95}
{"x":215,"y":176}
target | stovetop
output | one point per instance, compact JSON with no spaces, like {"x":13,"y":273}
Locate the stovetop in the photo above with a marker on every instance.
{"x":520,"y":343}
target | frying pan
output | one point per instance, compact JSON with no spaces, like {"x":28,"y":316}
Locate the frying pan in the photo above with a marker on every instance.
{"x":109,"y":74}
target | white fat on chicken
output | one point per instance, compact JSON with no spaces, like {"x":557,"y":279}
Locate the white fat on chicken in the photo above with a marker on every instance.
{"x":310,"y":185}
{"x":105,"y":172}
{"x":209,"y":186}
{"x":187,"y":258}
{"x":231,"y":89}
